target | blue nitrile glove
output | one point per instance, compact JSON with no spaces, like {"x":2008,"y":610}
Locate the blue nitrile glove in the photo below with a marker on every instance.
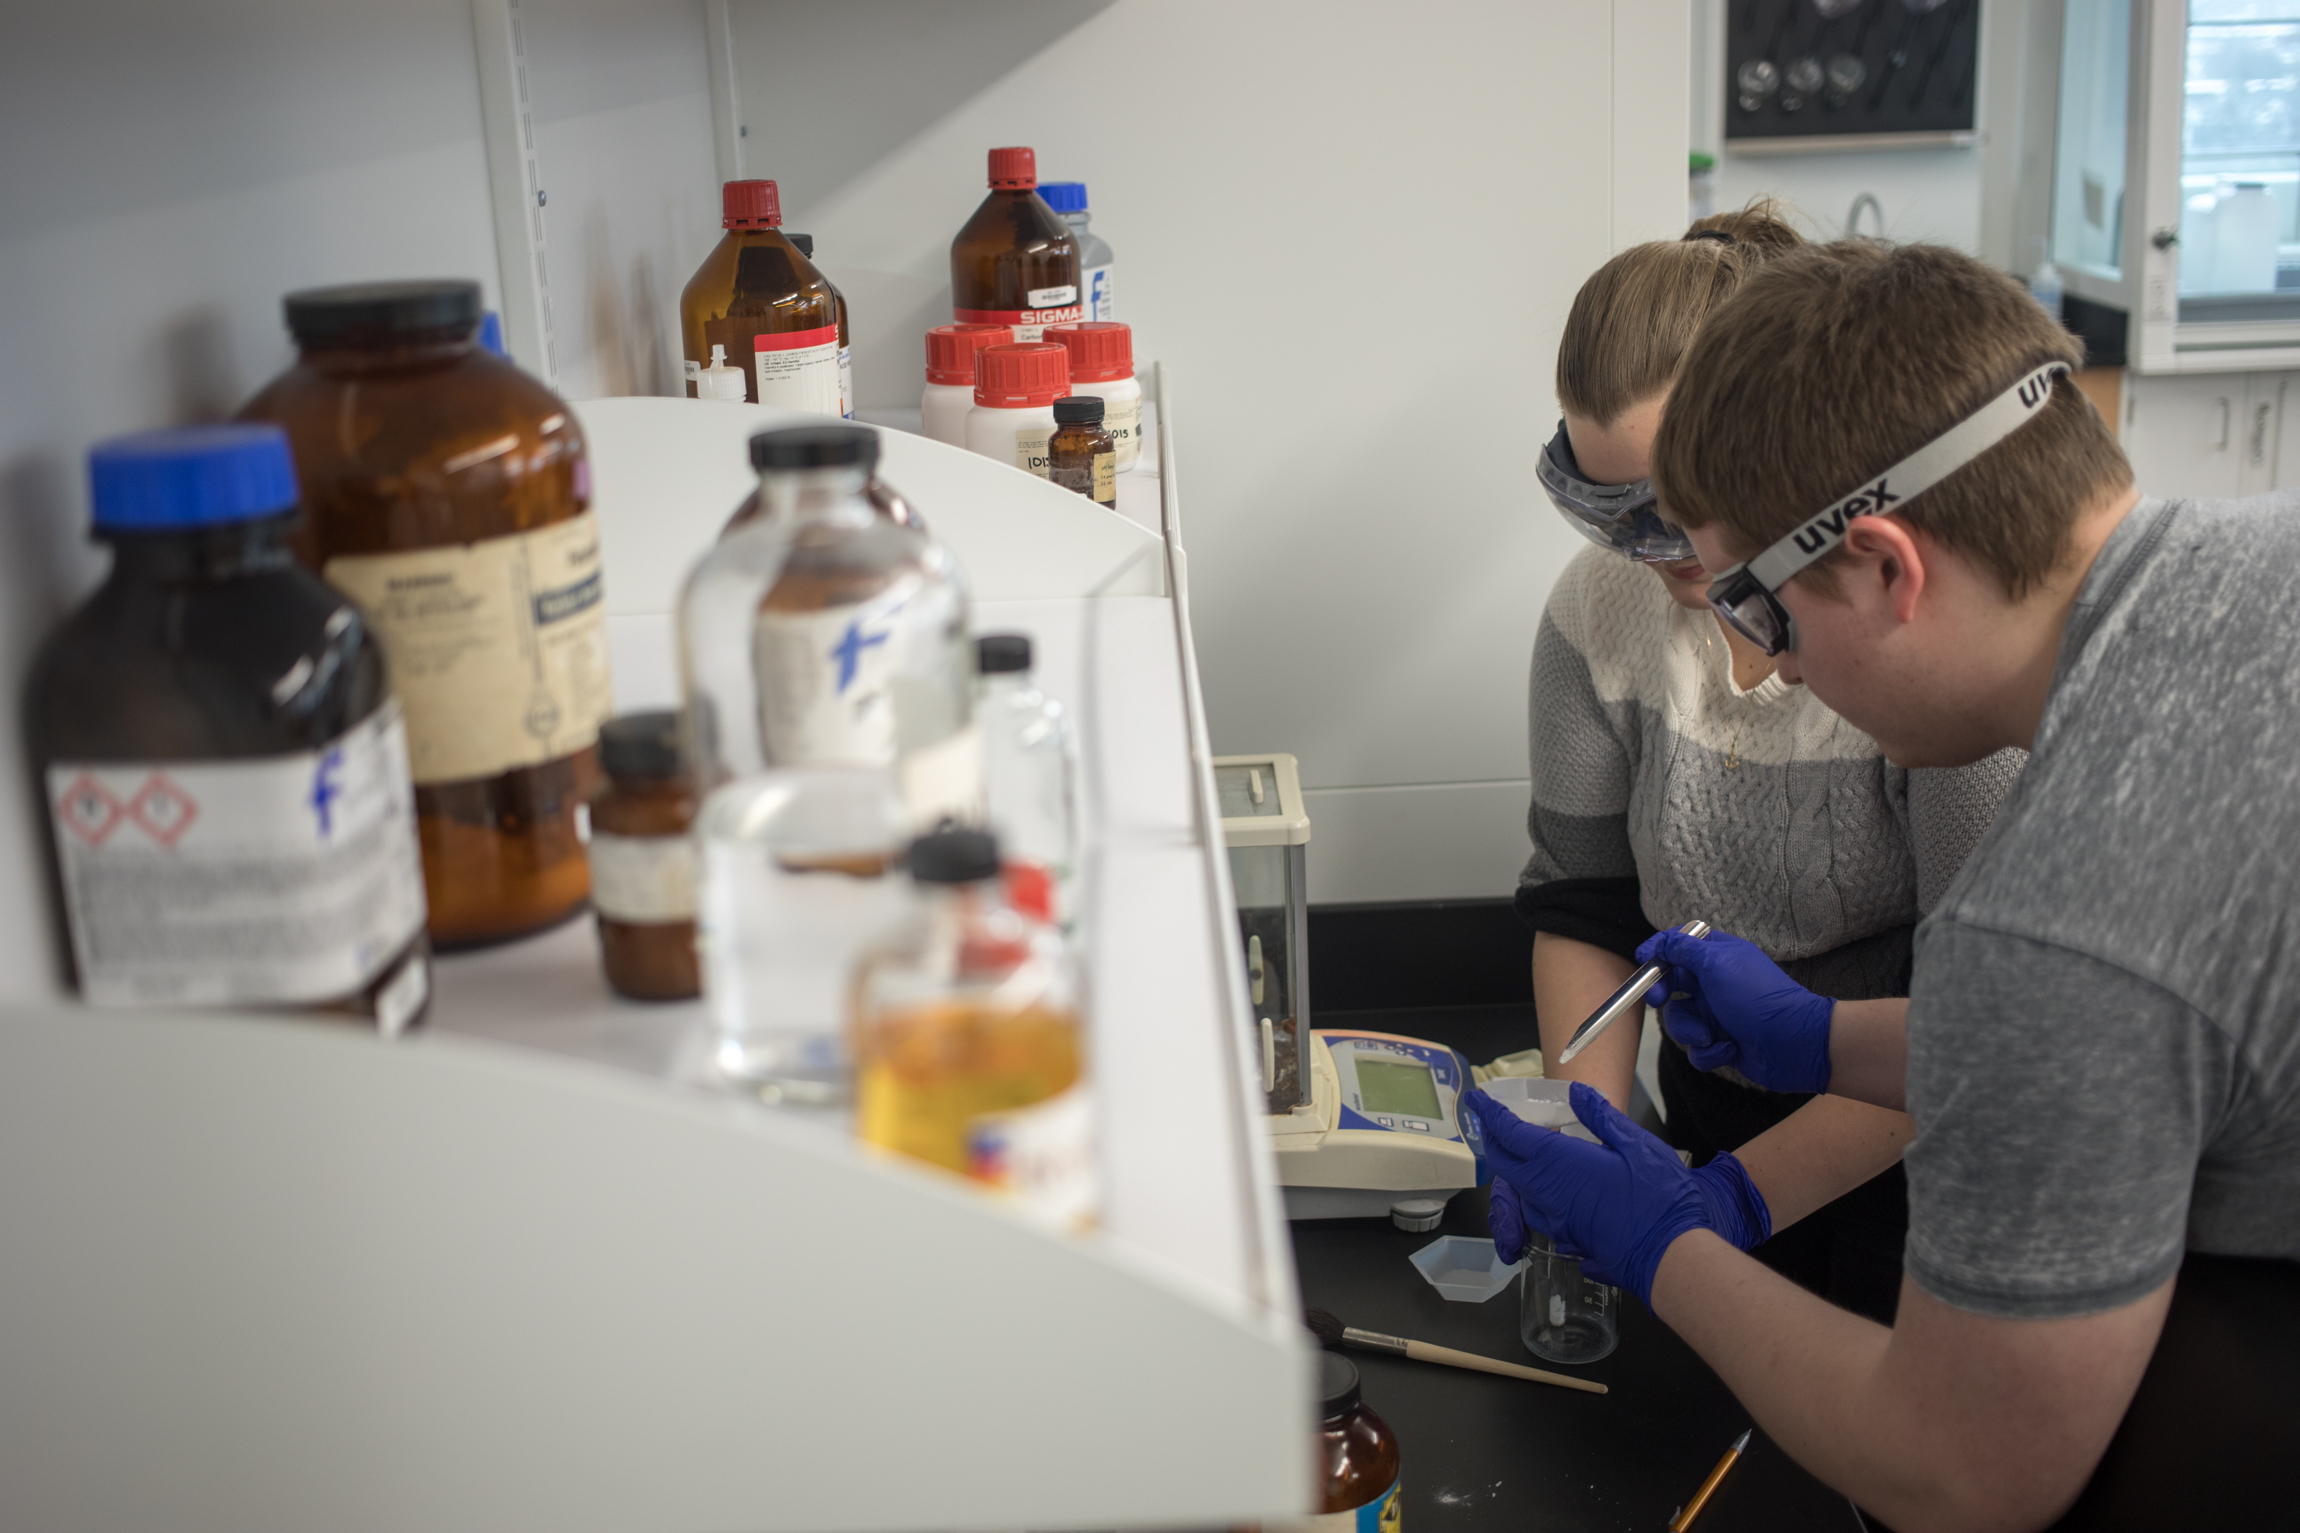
{"x":1617,"y":1204}
{"x":1739,"y":1009}
{"x":1735,"y":1209}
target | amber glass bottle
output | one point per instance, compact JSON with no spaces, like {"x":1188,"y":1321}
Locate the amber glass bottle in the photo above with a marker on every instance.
{"x":1358,"y":1453}
{"x":448,"y":495}
{"x":758,"y":297}
{"x":805,"y":244}
{"x":643,"y":860}
{"x":1080,"y":455}
{"x":1016,"y":261}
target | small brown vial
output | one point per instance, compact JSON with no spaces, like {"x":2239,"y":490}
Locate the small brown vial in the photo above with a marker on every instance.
{"x":1081,"y":455}
{"x":1356,"y":1448}
{"x":643,"y":862}
{"x":450,"y":498}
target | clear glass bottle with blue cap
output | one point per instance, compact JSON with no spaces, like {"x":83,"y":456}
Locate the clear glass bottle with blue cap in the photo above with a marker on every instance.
{"x":1068,"y":198}
{"x":223,"y":763}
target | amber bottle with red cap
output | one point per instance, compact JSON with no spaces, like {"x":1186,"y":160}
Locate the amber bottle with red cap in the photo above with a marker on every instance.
{"x":1014,"y":392}
{"x":1102,"y":364}
{"x":1016,"y":261}
{"x":764,"y":306}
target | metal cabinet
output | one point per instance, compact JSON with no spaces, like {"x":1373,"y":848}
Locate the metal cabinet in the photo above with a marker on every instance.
{"x":2212,"y":434}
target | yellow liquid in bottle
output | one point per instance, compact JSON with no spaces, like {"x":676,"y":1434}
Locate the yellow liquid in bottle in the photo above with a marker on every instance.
{"x":927,"y":1073}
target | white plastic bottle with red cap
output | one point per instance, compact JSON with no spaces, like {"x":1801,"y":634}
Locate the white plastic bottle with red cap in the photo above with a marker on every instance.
{"x":950,"y":350}
{"x":1014,"y":392}
{"x":1102,"y":365}
{"x":1016,"y":261}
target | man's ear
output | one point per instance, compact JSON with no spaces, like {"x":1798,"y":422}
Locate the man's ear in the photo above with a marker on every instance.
{"x":1885,"y":553}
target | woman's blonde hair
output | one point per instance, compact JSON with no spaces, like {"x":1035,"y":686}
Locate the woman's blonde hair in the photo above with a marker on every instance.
{"x":1634,"y":320}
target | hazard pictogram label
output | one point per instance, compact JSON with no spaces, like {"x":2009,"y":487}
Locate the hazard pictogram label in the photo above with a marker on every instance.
{"x":163,"y":809}
{"x":88,"y":810}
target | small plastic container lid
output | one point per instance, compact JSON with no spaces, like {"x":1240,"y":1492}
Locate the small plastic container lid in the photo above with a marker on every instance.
{"x":382,"y":313}
{"x":1101,"y":350}
{"x":491,"y":334}
{"x":1064,"y":196}
{"x":997,"y":654}
{"x":641,"y":745}
{"x":750,"y":205}
{"x":804,"y":447}
{"x":1079,"y":410}
{"x":950,"y":350}
{"x":954,"y":857}
{"x":191,"y":476}
{"x":1338,"y":1390}
{"x":1013,"y":169}
{"x":805,"y":242}
{"x":1022,"y":376}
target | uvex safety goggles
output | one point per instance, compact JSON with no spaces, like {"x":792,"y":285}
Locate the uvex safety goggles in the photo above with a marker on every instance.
{"x":1623,"y":517}
{"x":1744,"y":595}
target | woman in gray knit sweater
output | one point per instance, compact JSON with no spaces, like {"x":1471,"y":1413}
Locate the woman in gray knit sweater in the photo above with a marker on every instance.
{"x":1675,"y":776}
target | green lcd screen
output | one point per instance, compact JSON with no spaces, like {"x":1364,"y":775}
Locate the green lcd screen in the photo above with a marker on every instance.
{"x":1385,"y":1087}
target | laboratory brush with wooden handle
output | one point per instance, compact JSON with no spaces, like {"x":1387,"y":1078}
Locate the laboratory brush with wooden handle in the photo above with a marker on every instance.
{"x":1331,"y":1332}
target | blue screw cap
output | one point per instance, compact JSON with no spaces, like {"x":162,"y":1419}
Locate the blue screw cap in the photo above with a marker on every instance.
{"x":1064,"y":196}
{"x":191,"y":476}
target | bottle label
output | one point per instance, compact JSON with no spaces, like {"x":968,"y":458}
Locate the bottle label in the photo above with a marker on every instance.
{"x":1098,"y":300}
{"x":1384,"y":1514}
{"x":646,"y":880}
{"x":1031,"y":453}
{"x":1098,"y":481}
{"x":1029,"y":324}
{"x":799,"y":370}
{"x":262,"y":881}
{"x":826,"y":680}
{"x":1051,"y":297}
{"x":847,"y":382}
{"x":1041,"y":1155}
{"x":498,"y":649}
{"x":1122,"y":418}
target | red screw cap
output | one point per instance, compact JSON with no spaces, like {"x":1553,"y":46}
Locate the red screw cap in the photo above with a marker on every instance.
{"x":1013,"y":169}
{"x":750,"y":205}
{"x":1021,"y":377}
{"x":950,"y":350}
{"x":1101,"y":350}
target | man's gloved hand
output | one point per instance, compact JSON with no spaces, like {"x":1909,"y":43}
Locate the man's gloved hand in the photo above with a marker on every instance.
{"x":1616,"y":1204}
{"x":1739,"y":1009}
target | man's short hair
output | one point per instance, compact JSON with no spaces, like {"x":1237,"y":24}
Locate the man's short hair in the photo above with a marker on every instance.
{"x":1834,"y":362}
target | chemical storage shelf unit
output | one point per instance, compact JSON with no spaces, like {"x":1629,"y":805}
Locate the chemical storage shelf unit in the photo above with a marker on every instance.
{"x":530,"y":1271}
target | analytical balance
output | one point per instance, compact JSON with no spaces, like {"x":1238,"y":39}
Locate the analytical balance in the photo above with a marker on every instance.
{"x":1370,"y":1127}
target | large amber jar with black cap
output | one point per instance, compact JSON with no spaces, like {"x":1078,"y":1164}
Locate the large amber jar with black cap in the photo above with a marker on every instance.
{"x":764,"y":308}
{"x":447,"y":494}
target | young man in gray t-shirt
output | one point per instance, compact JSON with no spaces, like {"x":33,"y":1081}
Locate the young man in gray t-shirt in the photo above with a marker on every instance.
{"x":2101,"y":1048}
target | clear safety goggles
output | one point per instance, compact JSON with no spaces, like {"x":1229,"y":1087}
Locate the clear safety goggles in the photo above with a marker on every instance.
{"x":1623,"y":517}
{"x":1745,"y":595}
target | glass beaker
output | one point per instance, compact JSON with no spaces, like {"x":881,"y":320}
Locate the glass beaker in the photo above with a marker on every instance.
{"x":797,"y":880}
{"x":1565,"y":1315}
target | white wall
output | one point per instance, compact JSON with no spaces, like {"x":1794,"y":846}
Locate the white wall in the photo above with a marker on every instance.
{"x":1926,"y":194}
{"x":1352,"y":233}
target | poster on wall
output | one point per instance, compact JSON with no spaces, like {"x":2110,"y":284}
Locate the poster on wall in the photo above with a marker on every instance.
{"x":1849,"y":74}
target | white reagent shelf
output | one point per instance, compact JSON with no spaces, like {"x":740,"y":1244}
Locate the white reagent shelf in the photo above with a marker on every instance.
{"x":530,"y":1272}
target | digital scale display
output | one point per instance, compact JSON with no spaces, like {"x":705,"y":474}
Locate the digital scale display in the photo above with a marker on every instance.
{"x":1397,"y":1087}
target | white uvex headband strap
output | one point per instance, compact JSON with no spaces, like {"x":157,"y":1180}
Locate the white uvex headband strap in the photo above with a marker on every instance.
{"x":1913,"y":475}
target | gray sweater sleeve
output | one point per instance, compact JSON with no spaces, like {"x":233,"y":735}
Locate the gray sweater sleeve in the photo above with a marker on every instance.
{"x":1950,"y":809}
{"x":1581,"y":768}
